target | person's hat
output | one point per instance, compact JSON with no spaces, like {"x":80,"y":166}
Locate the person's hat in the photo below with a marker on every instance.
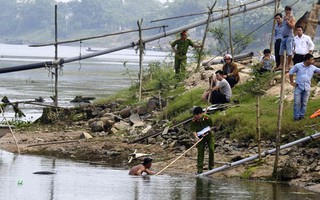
{"x":147,"y":160}
{"x":184,"y":33}
{"x":287,"y":8}
{"x":227,"y":56}
{"x":197,"y":110}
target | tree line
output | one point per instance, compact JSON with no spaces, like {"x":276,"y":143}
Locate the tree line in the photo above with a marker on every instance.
{"x":25,"y":19}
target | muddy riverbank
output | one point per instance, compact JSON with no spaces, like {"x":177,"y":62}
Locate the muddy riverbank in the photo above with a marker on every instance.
{"x":114,"y":151}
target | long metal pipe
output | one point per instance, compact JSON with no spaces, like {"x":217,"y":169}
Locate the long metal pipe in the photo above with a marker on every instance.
{"x":173,"y":31}
{"x":233,"y":11}
{"x":227,"y":166}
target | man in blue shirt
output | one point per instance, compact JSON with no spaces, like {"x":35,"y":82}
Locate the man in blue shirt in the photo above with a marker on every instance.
{"x":304,"y":71}
{"x":277,"y":37}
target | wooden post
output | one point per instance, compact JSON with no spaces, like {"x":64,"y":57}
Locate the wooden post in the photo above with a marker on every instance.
{"x":205,"y":35}
{"x":139,"y":22}
{"x":280,"y":111}
{"x":258,"y":125}
{"x":56,"y":56}
{"x":230,"y":31}
{"x":276,"y":8}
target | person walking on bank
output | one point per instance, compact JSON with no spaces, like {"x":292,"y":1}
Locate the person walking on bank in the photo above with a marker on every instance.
{"x":288,"y":24}
{"x":302,"y":44}
{"x":198,"y":123}
{"x":180,"y":48}
{"x":304,"y":71}
{"x":230,"y":70}
{"x":277,"y":37}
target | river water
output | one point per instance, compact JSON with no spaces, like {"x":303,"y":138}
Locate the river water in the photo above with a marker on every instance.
{"x":83,"y":181}
{"x":95,"y":77}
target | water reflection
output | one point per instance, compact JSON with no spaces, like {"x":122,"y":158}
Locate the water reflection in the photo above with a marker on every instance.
{"x":83,"y":181}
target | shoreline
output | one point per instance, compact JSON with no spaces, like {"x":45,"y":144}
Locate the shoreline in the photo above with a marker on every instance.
{"x":113,"y":151}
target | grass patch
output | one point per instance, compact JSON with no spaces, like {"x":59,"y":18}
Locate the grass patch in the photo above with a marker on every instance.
{"x":236,"y":122}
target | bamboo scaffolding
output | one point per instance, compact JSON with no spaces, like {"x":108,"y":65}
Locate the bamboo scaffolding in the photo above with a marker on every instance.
{"x":205,"y":35}
{"x":233,"y":11}
{"x":95,"y":37}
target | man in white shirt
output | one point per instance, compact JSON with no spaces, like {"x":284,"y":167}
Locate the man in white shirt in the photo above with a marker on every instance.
{"x":302,"y":44}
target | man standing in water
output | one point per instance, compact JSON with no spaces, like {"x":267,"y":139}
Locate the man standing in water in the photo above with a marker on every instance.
{"x":180,"y":58}
{"x":143,"y":167}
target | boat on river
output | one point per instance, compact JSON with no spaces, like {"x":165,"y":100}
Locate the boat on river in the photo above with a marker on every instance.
{"x":4,"y":129}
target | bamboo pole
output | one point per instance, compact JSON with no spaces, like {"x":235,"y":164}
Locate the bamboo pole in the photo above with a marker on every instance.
{"x":11,"y":131}
{"x":179,"y":157}
{"x":56,"y":56}
{"x":95,"y":37}
{"x":276,"y":8}
{"x":229,"y":165}
{"x":49,"y":143}
{"x":230,"y":31}
{"x":258,"y":125}
{"x":139,"y":22}
{"x":205,"y":36}
{"x":280,"y":111}
{"x":194,"y":14}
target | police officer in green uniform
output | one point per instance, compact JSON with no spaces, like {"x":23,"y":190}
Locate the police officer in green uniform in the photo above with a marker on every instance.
{"x":199,"y":122}
{"x":180,"y":58}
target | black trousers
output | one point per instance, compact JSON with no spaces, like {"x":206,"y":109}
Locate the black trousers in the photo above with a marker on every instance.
{"x":232,"y":81}
{"x":297,"y":58}
{"x":277,"y":51}
{"x":217,"y":97}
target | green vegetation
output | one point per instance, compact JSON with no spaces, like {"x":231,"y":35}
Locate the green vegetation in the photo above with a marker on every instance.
{"x":252,"y":168}
{"x":237,"y":122}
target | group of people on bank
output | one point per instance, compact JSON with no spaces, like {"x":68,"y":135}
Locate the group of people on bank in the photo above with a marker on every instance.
{"x":220,"y":84}
{"x":299,"y":49}
{"x":287,"y":48}
{"x":296,"y":47}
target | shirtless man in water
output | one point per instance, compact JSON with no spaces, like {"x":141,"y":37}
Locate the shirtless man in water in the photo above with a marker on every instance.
{"x":144,"y":167}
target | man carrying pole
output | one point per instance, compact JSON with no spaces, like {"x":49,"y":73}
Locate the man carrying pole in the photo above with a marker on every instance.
{"x":200,"y":126}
